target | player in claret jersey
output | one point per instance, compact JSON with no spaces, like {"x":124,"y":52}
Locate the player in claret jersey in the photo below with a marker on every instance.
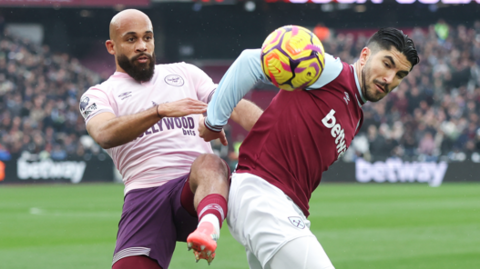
{"x":296,"y":139}
{"x":146,"y":116}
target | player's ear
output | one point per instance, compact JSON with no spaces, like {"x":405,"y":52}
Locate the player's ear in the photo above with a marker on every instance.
{"x":110,"y":47}
{"x":364,"y":54}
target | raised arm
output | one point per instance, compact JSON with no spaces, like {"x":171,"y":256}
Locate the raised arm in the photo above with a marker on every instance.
{"x":240,"y":78}
{"x":110,"y":131}
{"x":246,"y":114}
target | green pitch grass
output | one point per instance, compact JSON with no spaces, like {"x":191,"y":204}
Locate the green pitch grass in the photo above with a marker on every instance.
{"x":360,"y":226}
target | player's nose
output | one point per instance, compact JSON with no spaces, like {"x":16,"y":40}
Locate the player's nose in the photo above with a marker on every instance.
{"x":141,"y":46}
{"x":389,"y":77}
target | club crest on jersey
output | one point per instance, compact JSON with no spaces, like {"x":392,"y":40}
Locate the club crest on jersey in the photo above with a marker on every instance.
{"x":297,"y":222}
{"x":174,"y":80}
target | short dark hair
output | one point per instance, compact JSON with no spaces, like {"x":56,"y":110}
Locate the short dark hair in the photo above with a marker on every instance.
{"x":386,"y":37}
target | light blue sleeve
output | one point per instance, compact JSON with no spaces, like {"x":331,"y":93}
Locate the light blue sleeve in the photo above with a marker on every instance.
{"x":240,"y":78}
{"x":333,"y":68}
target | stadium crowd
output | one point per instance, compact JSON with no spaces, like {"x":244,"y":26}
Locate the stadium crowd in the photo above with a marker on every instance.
{"x":432,"y":115}
{"x":39,"y":93}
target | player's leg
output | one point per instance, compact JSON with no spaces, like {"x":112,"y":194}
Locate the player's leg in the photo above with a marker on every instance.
{"x":209,"y":175}
{"x":209,"y":184}
{"x":137,"y":262}
{"x":263,"y":219}
{"x":253,"y":262}
{"x":147,"y":227}
{"x":302,"y":253}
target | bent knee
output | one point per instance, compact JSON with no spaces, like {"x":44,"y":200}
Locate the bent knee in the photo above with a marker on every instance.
{"x":208,"y":157}
{"x":212,"y":162}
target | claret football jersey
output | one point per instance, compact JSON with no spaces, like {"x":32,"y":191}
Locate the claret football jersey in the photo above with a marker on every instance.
{"x":167,"y":149}
{"x":301,"y":133}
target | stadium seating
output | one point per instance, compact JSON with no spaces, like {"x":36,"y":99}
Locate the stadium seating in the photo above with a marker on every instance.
{"x":431,"y":116}
{"x":39,"y":93}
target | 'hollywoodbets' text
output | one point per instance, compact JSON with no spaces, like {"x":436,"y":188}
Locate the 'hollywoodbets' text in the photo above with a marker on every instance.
{"x":187,"y":124}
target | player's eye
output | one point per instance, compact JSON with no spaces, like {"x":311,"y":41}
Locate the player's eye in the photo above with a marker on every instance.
{"x":387,"y":65}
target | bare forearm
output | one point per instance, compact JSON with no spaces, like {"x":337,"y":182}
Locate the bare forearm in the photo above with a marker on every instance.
{"x":120,"y":130}
{"x":246,"y":114}
{"x":110,"y":131}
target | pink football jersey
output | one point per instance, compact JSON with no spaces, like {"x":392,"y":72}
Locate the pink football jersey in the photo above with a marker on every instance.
{"x":302,"y":133}
{"x":167,"y":149}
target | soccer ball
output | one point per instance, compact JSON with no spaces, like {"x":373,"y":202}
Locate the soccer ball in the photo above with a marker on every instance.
{"x":292,"y":57}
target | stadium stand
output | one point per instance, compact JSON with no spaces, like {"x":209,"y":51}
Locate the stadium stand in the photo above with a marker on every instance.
{"x":432,"y":116}
{"x":39,"y":93}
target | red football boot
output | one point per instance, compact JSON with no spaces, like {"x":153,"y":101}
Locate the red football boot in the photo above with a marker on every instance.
{"x":203,"y":241}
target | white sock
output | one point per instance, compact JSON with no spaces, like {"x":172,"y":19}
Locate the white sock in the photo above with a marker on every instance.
{"x":214,"y":221}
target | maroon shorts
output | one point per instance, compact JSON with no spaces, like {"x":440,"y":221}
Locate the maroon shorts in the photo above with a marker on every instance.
{"x":153,"y":219}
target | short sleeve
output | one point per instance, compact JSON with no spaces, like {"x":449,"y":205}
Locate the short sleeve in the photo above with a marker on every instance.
{"x":202,"y":82}
{"x":93,"y":102}
{"x":333,"y":68}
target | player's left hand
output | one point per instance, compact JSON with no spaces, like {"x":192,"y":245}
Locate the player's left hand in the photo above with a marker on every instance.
{"x":208,"y":135}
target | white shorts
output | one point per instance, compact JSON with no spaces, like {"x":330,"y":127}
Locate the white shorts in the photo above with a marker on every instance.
{"x":263,"y":219}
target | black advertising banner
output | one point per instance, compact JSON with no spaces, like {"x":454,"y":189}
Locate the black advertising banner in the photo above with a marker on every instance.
{"x":47,"y":170}
{"x":398,"y":171}
{"x":389,"y":171}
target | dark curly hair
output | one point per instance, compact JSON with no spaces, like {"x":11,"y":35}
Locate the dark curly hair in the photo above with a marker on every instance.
{"x":385,"y":38}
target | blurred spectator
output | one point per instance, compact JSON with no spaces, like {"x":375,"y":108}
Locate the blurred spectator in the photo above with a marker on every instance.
{"x":4,"y":154}
{"x":322,"y":32}
{"x":376,"y":144}
{"x":427,"y":145}
{"x":58,"y":153}
{"x":441,"y":29}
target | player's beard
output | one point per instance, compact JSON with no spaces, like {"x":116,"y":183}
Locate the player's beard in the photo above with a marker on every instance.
{"x":368,"y":92}
{"x":138,"y":71}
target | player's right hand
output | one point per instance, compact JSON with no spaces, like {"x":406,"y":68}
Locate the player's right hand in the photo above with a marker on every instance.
{"x":208,"y":135}
{"x":182,"y":108}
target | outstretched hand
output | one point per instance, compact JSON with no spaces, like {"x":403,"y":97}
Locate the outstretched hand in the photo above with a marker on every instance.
{"x":181,"y":108}
{"x":208,"y":135}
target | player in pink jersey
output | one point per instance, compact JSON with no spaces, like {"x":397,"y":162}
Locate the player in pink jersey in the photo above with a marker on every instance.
{"x":146,"y":117}
{"x":296,"y":139}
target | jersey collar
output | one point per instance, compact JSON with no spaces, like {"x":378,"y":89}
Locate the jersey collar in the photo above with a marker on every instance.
{"x":362,"y":98}
{"x":118,"y":74}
